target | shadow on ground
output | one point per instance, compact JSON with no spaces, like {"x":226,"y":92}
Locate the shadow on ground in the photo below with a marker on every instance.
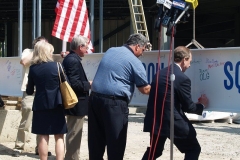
{"x":221,"y":127}
{"x":5,"y":151}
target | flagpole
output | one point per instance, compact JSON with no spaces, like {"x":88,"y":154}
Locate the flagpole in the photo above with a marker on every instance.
{"x":39,"y":19}
{"x":64,"y":46}
{"x":101,"y":27}
{"x":92,"y":20}
{"x":34,"y":20}
{"x":20,"y":26}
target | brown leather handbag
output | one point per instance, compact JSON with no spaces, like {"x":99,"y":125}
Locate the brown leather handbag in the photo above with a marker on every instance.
{"x":69,"y":97}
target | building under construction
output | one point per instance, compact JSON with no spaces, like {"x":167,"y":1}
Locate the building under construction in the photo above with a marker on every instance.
{"x":217,"y":23}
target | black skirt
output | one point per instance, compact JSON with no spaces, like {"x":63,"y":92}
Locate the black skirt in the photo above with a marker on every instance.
{"x":49,"y":122}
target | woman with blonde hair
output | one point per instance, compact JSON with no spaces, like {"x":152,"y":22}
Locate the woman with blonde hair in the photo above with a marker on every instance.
{"x":48,"y":112}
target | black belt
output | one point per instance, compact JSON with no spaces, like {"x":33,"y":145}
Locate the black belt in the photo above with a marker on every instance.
{"x":110,"y":96}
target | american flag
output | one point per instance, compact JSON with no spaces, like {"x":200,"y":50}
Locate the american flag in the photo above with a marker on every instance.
{"x":72,"y":19}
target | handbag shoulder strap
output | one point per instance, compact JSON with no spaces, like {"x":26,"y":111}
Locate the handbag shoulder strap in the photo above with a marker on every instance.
{"x":59,"y":72}
{"x":62,"y":70}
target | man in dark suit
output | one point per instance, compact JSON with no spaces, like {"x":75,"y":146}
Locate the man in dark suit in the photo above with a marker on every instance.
{"x":184,"y":132}
{"x":1,"y":101}
{"x":80,"y":84}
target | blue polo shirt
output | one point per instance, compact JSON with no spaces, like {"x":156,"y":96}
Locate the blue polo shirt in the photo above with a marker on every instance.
{"x":118,"y":72}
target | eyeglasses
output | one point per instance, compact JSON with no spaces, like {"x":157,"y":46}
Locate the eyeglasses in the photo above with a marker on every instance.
{"x":143,"y":48}
{"x":85,"y":47}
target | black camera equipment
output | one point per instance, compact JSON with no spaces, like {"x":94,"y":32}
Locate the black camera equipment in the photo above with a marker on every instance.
{"x":178,"y":7}
{"x":164,"y":6}
{"x":172,"y":12}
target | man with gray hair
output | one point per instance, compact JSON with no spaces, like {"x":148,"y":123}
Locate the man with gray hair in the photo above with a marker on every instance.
{"x":112,"y":90}
{"x":80,"y":84}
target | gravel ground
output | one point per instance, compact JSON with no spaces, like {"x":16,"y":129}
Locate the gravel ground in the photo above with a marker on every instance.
{"x":219,"y":141}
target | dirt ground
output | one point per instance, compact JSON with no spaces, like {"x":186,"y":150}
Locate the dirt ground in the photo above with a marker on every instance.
{"x":219,"y":141}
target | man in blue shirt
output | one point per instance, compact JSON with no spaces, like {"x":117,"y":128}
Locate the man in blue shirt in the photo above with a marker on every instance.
{"x":112,"y":89}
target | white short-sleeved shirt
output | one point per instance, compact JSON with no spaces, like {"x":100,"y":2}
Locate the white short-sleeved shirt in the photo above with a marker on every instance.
{"x":25,"y":53}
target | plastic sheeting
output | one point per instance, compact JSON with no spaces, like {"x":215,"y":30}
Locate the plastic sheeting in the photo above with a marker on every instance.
{"x":212,"y":115}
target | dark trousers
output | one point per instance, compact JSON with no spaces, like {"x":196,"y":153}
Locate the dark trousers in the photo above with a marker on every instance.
{"x":107,"y":126}
{"x":189,"y":146}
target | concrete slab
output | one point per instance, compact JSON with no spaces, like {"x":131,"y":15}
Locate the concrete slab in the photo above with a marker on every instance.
{"x":9,"y":122}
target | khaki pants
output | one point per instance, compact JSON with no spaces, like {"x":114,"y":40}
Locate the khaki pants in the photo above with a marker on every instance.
{"x":24,"y":129}
{"x":74,"y":137}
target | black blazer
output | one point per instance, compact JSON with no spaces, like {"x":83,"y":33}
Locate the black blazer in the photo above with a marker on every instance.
{"x":79,"y":83}
{"x":45,"y":78}
{"x":182,"y":103}
{"x":1,"y":101}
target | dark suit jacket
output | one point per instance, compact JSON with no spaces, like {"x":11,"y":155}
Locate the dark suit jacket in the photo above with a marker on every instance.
{"x":79,"y":83}
{"x":1,"y":101}
{"x":45,"y":78}
{"x":182,"y":103}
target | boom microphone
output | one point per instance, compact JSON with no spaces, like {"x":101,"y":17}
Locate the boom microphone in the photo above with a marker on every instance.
{"x":177,"y":6}
{"x":167,"y":15}
{"x":160,"y":2}
{"x":167,"y":4}
{"x":185,"y":17}
{"x":170,"y":13}
{"x":163,"y":5}
{"x":159,"y":16}
{"x":193,"y":4}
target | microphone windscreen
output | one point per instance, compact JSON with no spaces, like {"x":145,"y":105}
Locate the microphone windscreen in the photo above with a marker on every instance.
{"x":193,"y":3}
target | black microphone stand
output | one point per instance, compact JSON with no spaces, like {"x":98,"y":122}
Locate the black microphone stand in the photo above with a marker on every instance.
{"x":198,"y":45}
{"x":172,"y":78}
